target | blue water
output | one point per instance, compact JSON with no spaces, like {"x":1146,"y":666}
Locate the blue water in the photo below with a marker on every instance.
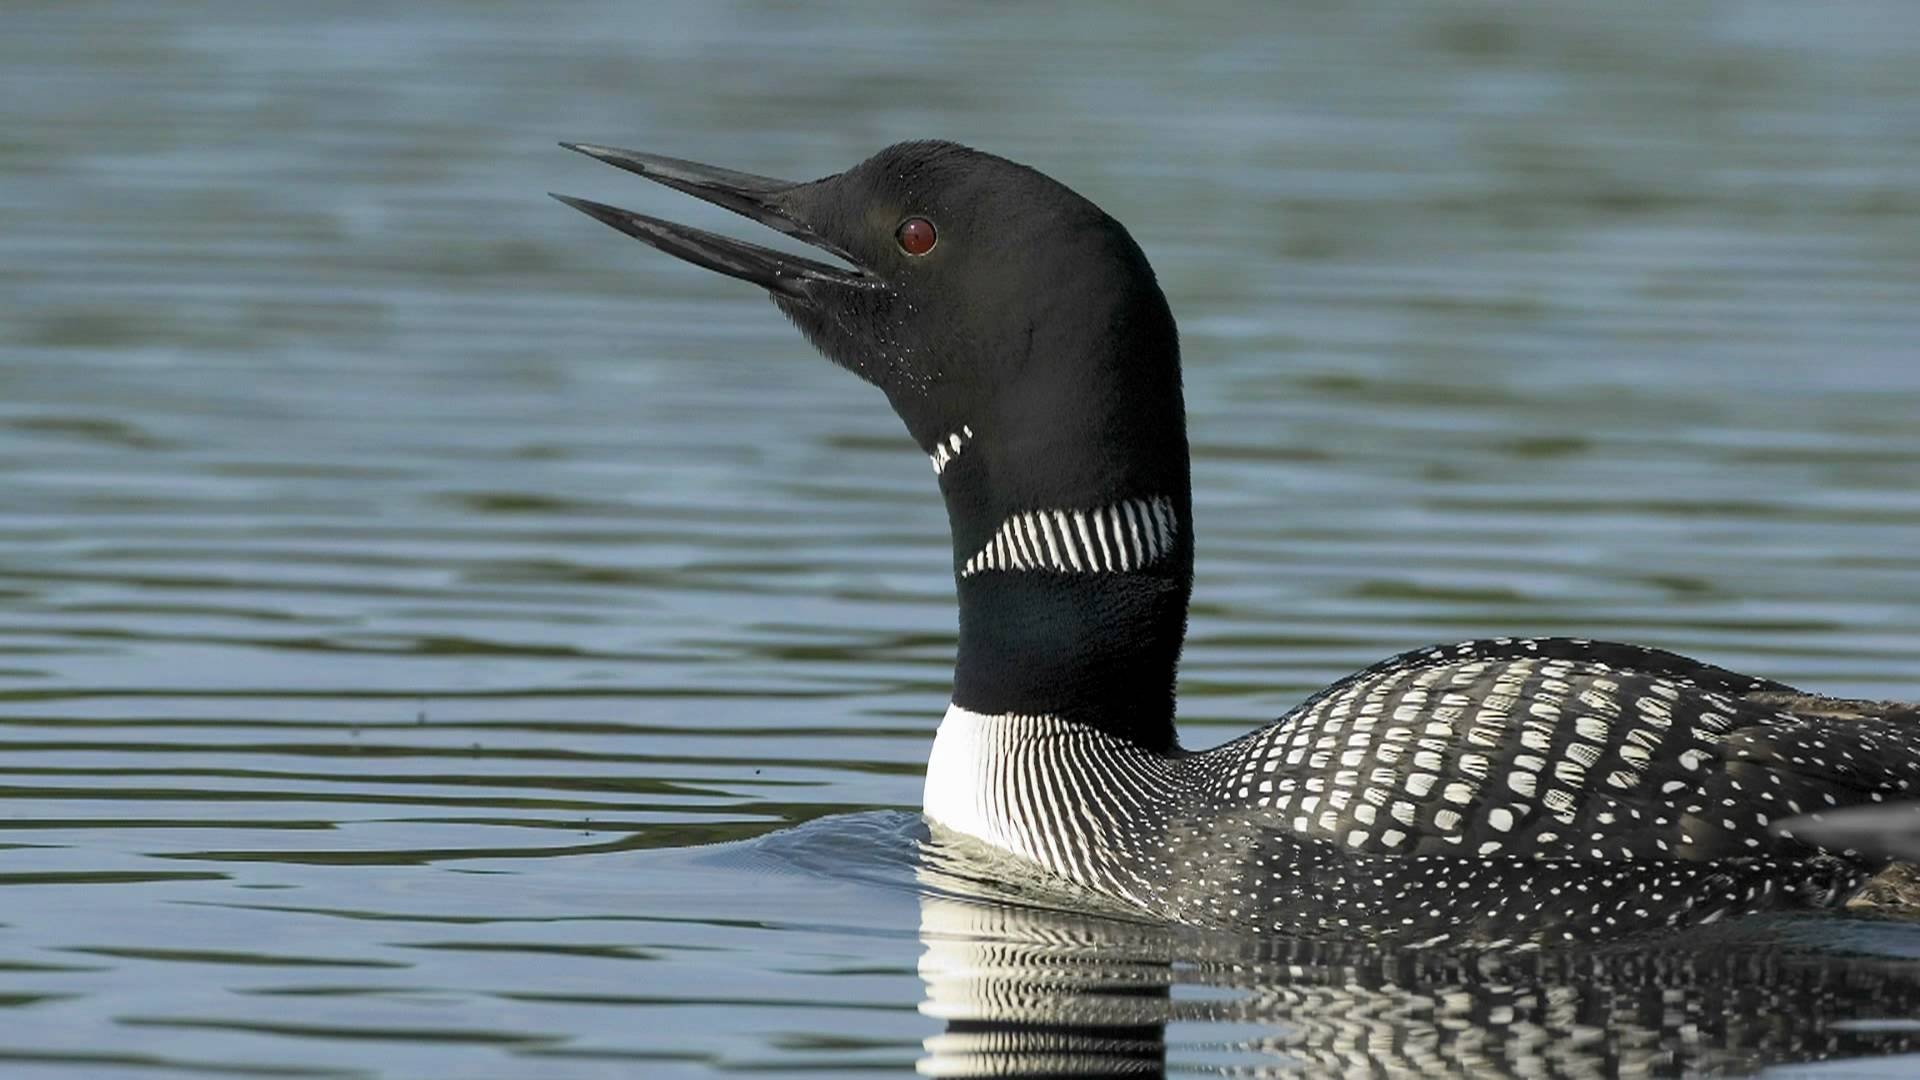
{"x":441,"y":637}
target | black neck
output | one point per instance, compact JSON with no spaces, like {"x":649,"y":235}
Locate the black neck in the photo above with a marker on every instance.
{"x":1098,"y":647}
{"x":1062,"y":396}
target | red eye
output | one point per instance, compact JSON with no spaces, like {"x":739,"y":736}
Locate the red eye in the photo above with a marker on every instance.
{"x":916,"y":236}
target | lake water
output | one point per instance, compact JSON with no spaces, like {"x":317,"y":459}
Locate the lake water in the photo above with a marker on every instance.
{"x":440,"y":637}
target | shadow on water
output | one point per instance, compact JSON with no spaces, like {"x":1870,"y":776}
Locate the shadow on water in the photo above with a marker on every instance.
{"x":1029,"y":981}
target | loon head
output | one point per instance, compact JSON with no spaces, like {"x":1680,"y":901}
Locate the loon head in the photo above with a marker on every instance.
{"x":982,"y":295}
{"x":1020,"y":334}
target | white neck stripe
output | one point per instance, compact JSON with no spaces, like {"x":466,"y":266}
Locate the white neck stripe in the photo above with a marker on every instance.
{"x":1142,"y":532}
{"x":947,"y":449}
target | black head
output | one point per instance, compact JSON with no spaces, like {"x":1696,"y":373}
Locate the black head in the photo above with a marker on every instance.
{"x":1032,"y":319}
{"x":1019,"y":332}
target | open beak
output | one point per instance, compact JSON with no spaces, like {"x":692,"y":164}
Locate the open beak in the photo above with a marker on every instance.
{"x":756,"y":197}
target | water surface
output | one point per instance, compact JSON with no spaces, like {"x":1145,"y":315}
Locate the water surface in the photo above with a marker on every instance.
{"x":440,"y":637}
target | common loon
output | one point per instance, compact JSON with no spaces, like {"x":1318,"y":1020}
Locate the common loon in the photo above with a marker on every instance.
{"x":1499,"y":790}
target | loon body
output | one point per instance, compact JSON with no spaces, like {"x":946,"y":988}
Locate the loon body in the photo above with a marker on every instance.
{"x":1513,"y":789}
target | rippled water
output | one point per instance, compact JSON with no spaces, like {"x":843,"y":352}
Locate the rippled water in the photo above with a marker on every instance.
{"x":406,"y":583}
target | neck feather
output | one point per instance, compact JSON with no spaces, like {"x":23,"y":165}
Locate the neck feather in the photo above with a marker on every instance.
{"x":1075,"y":610}
{"x":1069,"y":499}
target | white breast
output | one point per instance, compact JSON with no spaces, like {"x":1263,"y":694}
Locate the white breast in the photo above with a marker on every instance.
{"x":994,"y":778}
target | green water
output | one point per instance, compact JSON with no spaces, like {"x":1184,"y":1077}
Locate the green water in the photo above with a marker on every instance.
{"x":403,"y":580}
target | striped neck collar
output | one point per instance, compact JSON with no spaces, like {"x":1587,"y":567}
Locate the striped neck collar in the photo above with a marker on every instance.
{"x":1122,"y":537}
{"x":1074,"y":611}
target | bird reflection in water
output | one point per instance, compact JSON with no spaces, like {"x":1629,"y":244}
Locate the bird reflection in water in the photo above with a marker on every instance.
{"x":1029,"y":989}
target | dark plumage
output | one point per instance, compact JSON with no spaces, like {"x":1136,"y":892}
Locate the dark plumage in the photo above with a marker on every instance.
{"x":1505,"y":789}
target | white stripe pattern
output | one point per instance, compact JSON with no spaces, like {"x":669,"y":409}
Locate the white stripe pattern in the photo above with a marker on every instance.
{"x":1129,"y":535}
{"x":1080,"y":803}
{"x":949,"y":448}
